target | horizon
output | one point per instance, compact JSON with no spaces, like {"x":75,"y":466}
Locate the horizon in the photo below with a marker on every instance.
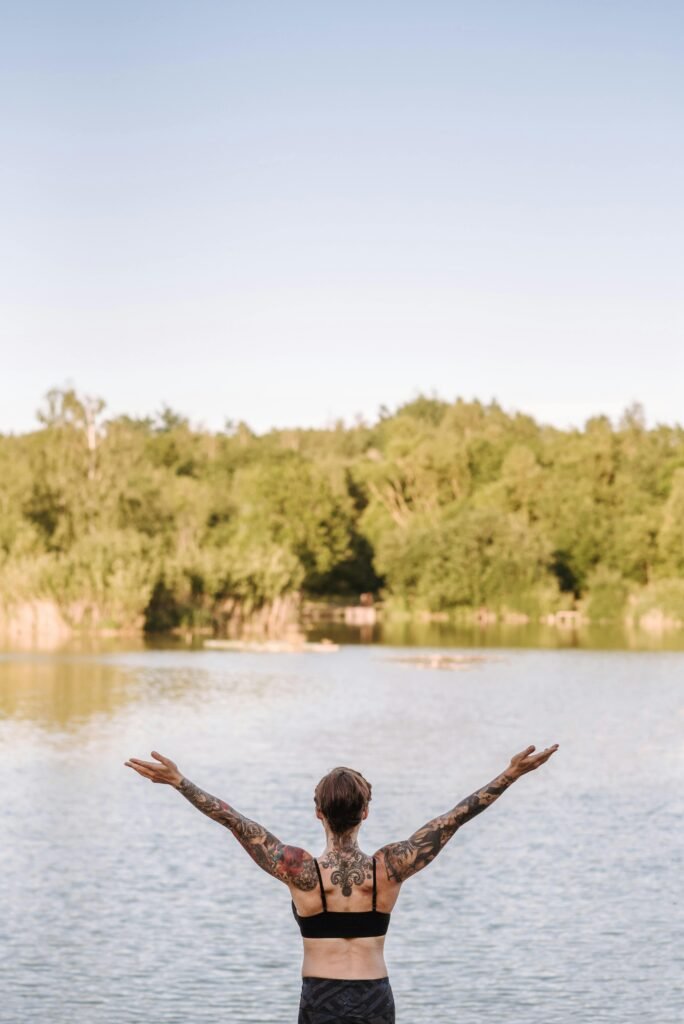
{"x":383,"y":411}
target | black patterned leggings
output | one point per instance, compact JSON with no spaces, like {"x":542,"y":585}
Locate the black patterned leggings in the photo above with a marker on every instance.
{"x":332,"y":1001}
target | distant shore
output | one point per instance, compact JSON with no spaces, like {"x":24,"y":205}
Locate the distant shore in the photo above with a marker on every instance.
{"x":43,"y":623}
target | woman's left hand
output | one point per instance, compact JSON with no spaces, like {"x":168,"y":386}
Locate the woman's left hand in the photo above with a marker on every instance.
{"x":527,"y":760}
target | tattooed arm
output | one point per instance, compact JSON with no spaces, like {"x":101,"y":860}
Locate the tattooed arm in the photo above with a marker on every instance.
{"x":288,"y":864}
{"x":406,"y":858}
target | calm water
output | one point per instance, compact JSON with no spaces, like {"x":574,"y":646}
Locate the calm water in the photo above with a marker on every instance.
{"x":122,"y":903}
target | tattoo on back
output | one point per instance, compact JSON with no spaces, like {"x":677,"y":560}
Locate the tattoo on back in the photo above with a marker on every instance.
{"x":348,"y":869}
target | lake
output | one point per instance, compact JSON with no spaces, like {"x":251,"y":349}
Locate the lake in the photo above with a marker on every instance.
{"x":122,"y":903}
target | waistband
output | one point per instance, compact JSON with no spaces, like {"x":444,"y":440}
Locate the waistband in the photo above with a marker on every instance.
{"x":312,"y":981}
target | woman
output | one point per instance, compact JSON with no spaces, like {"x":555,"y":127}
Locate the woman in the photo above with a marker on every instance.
{"x":342,"y":901}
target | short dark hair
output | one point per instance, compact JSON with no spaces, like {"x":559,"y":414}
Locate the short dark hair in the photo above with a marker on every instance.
{"x":342,"y":796}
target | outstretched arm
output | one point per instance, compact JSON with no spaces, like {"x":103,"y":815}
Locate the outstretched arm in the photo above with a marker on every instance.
{"x":406,"y":858}
{"x":289,"y":864}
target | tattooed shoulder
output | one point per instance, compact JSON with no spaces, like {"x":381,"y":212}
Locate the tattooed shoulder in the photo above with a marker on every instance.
{"x":398,"y":858}
{"x":297,"y":867}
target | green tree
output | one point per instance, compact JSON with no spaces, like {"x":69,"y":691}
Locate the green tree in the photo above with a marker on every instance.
{"x":671,"y":533}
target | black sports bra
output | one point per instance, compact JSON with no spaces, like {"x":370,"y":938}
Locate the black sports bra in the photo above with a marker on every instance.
{"x":340,"y":924}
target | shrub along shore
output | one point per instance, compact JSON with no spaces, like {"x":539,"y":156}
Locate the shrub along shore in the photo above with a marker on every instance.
{"x":456,"y":510}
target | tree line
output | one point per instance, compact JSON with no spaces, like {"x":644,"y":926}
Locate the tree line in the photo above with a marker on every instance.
{"x":438,"y":506}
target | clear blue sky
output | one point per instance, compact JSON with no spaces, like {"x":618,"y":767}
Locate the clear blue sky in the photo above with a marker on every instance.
{"x":291,"y":212}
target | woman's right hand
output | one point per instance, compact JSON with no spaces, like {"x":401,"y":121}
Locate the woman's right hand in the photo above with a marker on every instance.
{"x":165,"y":772}
{"x":527,"y":761}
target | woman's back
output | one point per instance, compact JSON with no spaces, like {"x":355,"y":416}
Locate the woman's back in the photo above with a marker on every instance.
{"x":345,"y":916}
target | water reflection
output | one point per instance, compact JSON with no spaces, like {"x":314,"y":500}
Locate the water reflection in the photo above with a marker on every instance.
{"x":60,"y":692}
{"x":414,"y":633}
{"x":63,"y":693}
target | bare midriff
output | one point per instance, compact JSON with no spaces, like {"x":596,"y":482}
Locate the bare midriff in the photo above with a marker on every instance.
{"x":345,"y":959}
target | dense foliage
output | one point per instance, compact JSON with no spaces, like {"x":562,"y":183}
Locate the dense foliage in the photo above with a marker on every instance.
{"x":436,"y":506}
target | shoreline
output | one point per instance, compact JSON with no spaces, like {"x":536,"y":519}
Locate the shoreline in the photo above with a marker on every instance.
{"x":39,"y":625}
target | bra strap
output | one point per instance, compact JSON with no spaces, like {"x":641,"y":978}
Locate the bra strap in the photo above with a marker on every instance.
{"x":374,"y":889}
{"x":320,"y":882}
